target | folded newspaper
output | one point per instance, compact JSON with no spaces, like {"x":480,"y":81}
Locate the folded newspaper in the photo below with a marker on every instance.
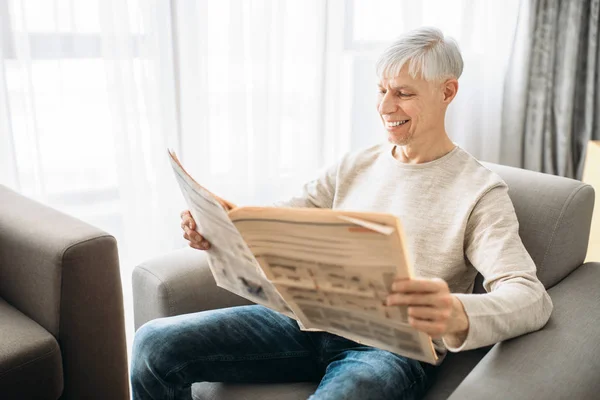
{"x":330,"y":270}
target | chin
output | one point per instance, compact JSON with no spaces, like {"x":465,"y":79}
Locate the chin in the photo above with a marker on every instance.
{"x":399,"y":140}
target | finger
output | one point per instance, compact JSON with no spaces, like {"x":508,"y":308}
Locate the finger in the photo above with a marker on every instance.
{"x":195,"y":246}
{"x":187,"y":219}
{"x":419,"y":285}
{"x":187,"y":232}
{"x":203,"y":244}
{"x":412,"y":299}
{"x":433,"y":329}
{"x":185,"y":213}
{"x":429,"y":313}
{"x":189,"y":223}
{"x":197,"y":239}
{"x":193,"y":235}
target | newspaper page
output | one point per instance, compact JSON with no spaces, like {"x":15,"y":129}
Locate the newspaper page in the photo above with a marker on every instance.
{"x":231,"y":262}
{"x":335,"y":274}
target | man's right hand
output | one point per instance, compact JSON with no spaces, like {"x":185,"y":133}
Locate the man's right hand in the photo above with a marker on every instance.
{"x":196,"y":240}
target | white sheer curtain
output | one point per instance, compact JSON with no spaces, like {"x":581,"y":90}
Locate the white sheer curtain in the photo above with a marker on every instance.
{"x":137,"y":50}
{"x":250,"y":76}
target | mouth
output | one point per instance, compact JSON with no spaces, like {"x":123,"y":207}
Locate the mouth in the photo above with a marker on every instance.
{"x":390,"y":124}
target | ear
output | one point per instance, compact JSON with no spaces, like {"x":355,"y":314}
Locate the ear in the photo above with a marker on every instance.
{"x":449,"y":90}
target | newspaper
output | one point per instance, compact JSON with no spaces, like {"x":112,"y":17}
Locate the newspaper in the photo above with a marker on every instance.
{"x":330,"y":270}
{"x":231,"y":262}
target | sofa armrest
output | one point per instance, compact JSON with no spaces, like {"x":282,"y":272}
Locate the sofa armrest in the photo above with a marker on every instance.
{"x":64,"y":274}
{"x":560,"y":361}
{"x":178,"y":282}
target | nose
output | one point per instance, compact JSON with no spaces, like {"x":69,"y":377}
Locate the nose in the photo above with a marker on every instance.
{"x":387,"y":105}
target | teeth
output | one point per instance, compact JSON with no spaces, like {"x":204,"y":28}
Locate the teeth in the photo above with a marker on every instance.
{"x":397,"y":123}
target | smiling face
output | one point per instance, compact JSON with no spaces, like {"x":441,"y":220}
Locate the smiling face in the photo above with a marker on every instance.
{"x":413,"y":108}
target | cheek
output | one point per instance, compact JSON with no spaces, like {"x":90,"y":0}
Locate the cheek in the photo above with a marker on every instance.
{"x":412,"y":110}
{"x":417,"y":110}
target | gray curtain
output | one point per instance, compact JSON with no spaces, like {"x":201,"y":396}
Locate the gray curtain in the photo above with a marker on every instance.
{"x":551,"y":104}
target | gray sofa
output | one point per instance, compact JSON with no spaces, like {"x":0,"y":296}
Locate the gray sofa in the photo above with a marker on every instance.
{"x":62,"y":331}
{"x":558,"y":362}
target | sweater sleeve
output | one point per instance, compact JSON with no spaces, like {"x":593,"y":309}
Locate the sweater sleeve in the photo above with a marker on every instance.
{"x":516,"y":302}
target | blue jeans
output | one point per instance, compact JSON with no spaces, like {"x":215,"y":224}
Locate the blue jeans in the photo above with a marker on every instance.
{"x":252,"y":344}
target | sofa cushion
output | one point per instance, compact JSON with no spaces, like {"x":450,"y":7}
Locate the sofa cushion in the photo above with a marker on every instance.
{"x":554,"y":216}
{"x":275,"y":391}
{"x":452,"y":372}
{"x":30,"y":359}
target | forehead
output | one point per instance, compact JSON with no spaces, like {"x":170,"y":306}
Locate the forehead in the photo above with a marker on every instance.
{"x":402,"y":79}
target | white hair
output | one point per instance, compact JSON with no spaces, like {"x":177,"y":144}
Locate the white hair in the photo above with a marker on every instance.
{"x":427,"y":52}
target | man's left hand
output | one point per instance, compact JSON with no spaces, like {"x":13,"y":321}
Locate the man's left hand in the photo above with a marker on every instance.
{"x":431,"y":307}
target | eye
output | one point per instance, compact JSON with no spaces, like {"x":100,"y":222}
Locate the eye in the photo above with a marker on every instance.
{"x":381,"y":91}
{"x":404,"y":94}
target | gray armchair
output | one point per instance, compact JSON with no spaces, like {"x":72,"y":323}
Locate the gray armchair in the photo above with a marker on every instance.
{"x":62,"y":330}
{"x":559,"y":361}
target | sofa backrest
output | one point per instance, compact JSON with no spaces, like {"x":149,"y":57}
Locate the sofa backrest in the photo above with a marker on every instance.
{"x":35,"y":241}
{"x":554,"y":216}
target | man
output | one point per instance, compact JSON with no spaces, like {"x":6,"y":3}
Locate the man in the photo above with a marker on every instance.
{"x":458,"y":220}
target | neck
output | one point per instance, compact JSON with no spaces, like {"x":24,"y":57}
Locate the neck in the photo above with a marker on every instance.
{"x":423,"y":150}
